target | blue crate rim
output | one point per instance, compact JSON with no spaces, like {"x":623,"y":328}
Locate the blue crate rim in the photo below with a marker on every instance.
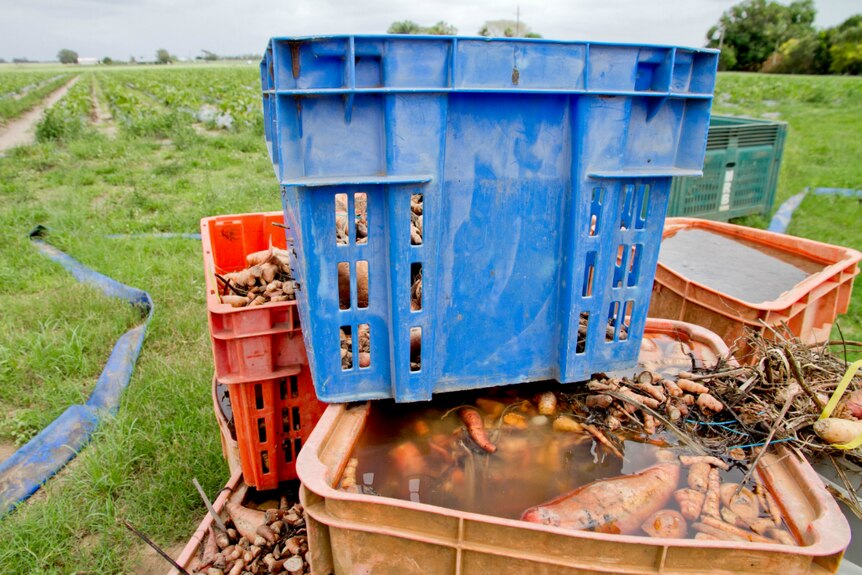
{"x":489,"y":39}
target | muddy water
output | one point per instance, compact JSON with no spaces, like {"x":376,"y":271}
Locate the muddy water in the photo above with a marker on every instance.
{"x":421,"y":452}
{"x":740,"y":268}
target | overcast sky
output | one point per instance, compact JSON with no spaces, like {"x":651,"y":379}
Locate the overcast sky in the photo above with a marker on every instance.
{"x":37,"y":29}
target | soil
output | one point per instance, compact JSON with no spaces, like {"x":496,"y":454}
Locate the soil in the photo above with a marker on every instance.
{"x":6,"y":449}
{"x":151,"y":563}
{"x":21,"y":131}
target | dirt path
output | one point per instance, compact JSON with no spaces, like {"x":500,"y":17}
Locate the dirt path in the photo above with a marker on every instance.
{"x":21,"y":130}
{"x":100,"y":115}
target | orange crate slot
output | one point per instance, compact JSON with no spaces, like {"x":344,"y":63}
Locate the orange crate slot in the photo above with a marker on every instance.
{"x":273,"y":419}
{"x":808,"y":309}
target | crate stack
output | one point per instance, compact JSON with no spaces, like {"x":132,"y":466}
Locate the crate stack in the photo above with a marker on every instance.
{"x":259,"y":357}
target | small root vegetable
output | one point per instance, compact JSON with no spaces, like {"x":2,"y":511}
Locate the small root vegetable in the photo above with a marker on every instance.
{"x":851,"y":405}
{"x":720,"y":525}
{"x":687,"y":399}
{"x":234,"y":300}
{"x":608,"y":385}
{"x":647,"y":377}
{"x":744,"y":503}
{"x":690,"y":502}
{"x":237,"y":567}
{"x":599,"y":401}
{"x":211,"y":548}
{"x":491,"y":406}
{"x":613,"y":422}
{"x":515,"y":420}
{"x":706,"y":402}
{"x":689,"y":460}
{"x":716,"y":533}
{"x":222,"y":539}
{"x":649,"y":424}
{"x":294,"y":565}
{"x":691,"y":386}
{"x":665,"y":523}
{"x":602,"y":439}
{"x":257,"y":258}
{"x":654,"y":391}
{"x":472,"y":420}
{"x":267,"y":533}
{"x":637,"y":397}
{"x":267,"y":272}
{"x":407,"y":459}
{"x":673,"y":412}
{"x":273,"y":565}
{"x":547,"y":403}
{"x":834,"y":430}
{"x":672,"y":388}
{"x":698,"y":476}
{"x":566,"y":423}
{"x":713,"y":495}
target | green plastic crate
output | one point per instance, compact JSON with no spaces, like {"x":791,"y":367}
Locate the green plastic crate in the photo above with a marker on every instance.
{"x":740,"y":171}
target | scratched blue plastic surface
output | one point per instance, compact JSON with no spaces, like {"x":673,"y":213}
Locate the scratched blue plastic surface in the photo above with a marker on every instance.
{"x":538,"y":161}
{"x":33,"y":464}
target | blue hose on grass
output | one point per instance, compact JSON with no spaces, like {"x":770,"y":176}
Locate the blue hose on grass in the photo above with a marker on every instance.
{"x":781,"y":220}
{"x":33,"y":464}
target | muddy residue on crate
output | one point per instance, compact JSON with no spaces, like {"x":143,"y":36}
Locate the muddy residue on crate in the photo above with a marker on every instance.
{"x":737,"y":267}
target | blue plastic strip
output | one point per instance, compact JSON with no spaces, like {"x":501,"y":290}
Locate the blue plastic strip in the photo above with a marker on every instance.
{"x":781,"y":220}
{"x":838,"y":192}
{"x":27,"y":469}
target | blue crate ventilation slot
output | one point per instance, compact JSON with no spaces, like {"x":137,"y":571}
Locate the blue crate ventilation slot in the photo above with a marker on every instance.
{"x":544,"y":169}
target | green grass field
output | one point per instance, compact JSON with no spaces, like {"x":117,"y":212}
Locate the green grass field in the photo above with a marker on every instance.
{"x":162,"y":173}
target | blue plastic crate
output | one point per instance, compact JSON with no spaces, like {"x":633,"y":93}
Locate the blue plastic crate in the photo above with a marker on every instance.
{"x":543,"y":167}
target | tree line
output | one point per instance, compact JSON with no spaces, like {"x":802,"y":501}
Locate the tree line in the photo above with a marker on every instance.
{"x":765,"y":36}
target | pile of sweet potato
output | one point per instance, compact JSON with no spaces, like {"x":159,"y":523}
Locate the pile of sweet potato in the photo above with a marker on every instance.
{"x":268,"y":539}
{"x":268,"y":278}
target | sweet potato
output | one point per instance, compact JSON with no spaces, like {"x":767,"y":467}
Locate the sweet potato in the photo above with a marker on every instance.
{"x":665,"y":523}
{"x":691,"y":386}
{"x":566,"y":423}
{"x":407,"y":459}
{"x":491,"y":406}
{"x":672,"y":388}
{"x":711,"y":501}
{"x":472,"y":420}
{"x":690,"y":502}
{"x":601,"y":400}
{"x":689,"y":460}
{"x":547,"y":403}
{"x":706,"y":402}
{"x":257,"y":258}
{"x":515,"y":420}
{"x":837,"y":431}
{"x":234,"y":300}
{"x":615,"y":505}
{"x":245,"y":520}
{"x":744,"y":503}
{"x":698,"y":476}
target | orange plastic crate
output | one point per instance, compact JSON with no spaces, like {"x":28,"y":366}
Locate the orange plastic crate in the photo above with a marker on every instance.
{"x":249,"y":343}
{"x":259,"y":354}
{"x":808,"y":309}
